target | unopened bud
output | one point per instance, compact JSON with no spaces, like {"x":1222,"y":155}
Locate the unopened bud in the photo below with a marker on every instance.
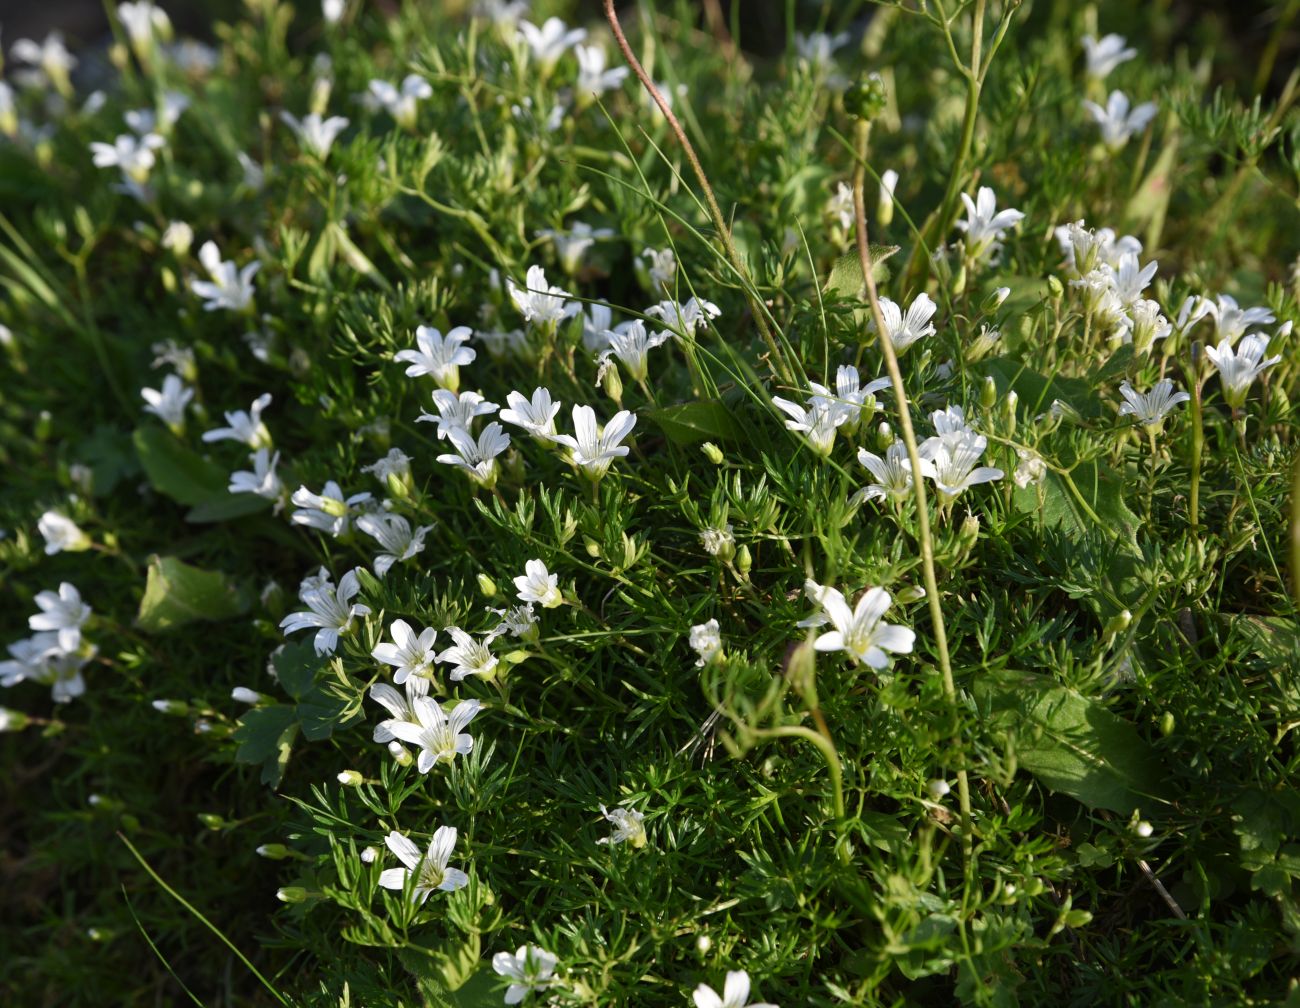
{"x":592,"y":547}
{"x":243,"y":694}
{"x":988,"y":392}
{"x":1055,"y":288}
{"x":397,"y":486}
{"x":712,"y":452}
{"x":320,"y":95}
{"x":12,"y":720}
{"x":486,"y":585}
{"x":969,"y":532}
{"x":1167,"y":723}
{"x":178,"y":707}
{"x":350,"y":778}
{"x":212,"y":821}
{"x":744,"y":561}
{"x":884,"y":436}
{"x":1143,"y":829}
{"x":703,"y":943}
{"x":399,"y":753}
{"x":994,"y":301}
{"x":912,"y":593}
{"x":273,"y":851}
{"x":1118,"y":623}
{"x":369,"y":854}
{"x":613,"y":383}
{"x":291,"y":894}
{"x":938,"y":789}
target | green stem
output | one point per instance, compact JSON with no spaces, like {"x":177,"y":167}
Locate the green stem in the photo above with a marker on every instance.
{"x":924,"y":535}
{"x":757,"y":309}
{"x":1198,"y":439}
{"x":829,"y":753}
{"x":1295,"y":534}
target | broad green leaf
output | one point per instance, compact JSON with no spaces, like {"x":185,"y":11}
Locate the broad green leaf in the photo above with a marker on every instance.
{"x":176,"y":593}
{"x":1036,"y":391}
{"x":688,"y":423}
{"x":265,"y":735}
{"x":1061,"y":503}
{"x":1074,"y":745}
{"x":176,"y":471}
{"x":846,"y":275}
{"x":226,"y":507}
{"x":296,"y":665}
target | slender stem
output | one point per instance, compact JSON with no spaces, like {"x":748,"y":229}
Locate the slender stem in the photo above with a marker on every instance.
{"x":757,"y":309}
{"x":829,"y":753}
{"x":1295,"y":534}
{"x":924,"y":536}
{"x":1198,"y":439}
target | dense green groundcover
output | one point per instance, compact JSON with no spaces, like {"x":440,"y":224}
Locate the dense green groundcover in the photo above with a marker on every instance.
{"x":344,"y":668}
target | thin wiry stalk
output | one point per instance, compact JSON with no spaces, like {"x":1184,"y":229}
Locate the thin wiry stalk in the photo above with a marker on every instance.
{"x":719,"y":221}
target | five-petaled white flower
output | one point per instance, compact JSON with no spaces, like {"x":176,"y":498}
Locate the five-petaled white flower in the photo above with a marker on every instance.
{"x":398,"y":704}
{"x":537,"y":416}
{"x":859,"y":631}
{"x":396,"y":464}
{"x":427,"y":873}
{"x":400,"y":102}
{"x":245,"y":427}
{"x":660,"y":266}
{"x":628,"y":826}
{"x":517,"y":621}
{"x":985,"y":223}
{"x":552,"y":40}
{"x":439,"y":356}
{"x":439,"y":735}
{"x":1117,"y":121}
{"x":229,"y":287}
{"x":61,"y":533}
{"x":329,"y":511}
{"x":850,"y":397}
{"x":170,"y":402}
{"x":954,"y":456}
{"x":904,"y":330}
{"x":142,"y":22}
{"x":409,"y":654}
{"x":539,"y":585}
{"x":817,"y":423}
{"x":1238,"y":369}
{"x":1149,"y":408}
{"x":686,"y":317}
{"x":328,"y":609}
{"x":631,"y":345}
{"x":133,"y":156}
{"x":530,"y":968}
{"x":593,"y":447}
{"x":62,"y":612}
{"x":468,"y":656}
{"x":1105,"y":54}
{"x":1230,"y":319}
{"x":572,"y":245}
{"x":50,"y":58}
{"x":706,"y":642}
{"x":593,"y":77}
{"x":840,"y":206}
{"x":538,"y":302}
{"x":477,"y":457}
{"x":394,"y":534}
{"x":315,"y":135}
{"x":261,"y":480}
{"x":893,"y":473}
{"x":457,"y":410}
{"x":735,"y":993}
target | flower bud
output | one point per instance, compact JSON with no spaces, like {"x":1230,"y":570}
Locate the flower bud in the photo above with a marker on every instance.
{"x":703,"y":943}
{"x":744,"y":561}
{"x":1143,"y":829}
{"x":988,"y":393}
{"x":912,"y":593}
{"x":866,"y":98}
{"x":592,"y":547}
{"x":884,"y":436}
{"x":320,"y":95}
{"x":1167,"y":723}
{"x":291,"y":894}
{"x":938,"y":789}
{"x":613,"y":383}
{"x":177,"y":707}
{"x":399,"y":753}
{"x":969,"y":532}
{"x":12,"y":720}
{"x":712,"y":452}
{"x":397,"y":486}
{"x":885,"y":209}
{"x":1055,"y":288}
{"x":350,"y":778}
{"x":243,"y":694}
{"x":994,"y":301}
{"x":1118,"y":623}
{"x":369,"y":855}
{"x":273,"y":851}
{"x":212,"y":821}
{"x":486,"y":585}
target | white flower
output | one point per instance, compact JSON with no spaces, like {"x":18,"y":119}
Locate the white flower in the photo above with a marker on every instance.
{"x":888,"y":183}
{"x":1031,"y":469}
{"x":470,"y":657}
{"x":859,"y":631}
{"x":531,"y":968}
{"x":840,"y":206}
{"x":719,"y":541}
{"x":40,"y":659}
{"x":411,"y":655}
{"x":400,"y":103}
{"x":142,"y":22}
{"x":332,"y":10}
{"x":177,"y":238}
{"x":501,"y":12}
{"x":632,"y":346}
{"x":627,"y":826}
{"x":594,"y":447}
{"x":1238,"y":369}
{"x":329,"y":511}
{"x":572,"y":245}
{"x":1117,"y":121}
{"x":985,"y":224}
{"x":552,"y":40}
{"x":438,"y":356}
{"x":63,"y":613}
{"x":734,"y":993}
{"x":315,"y":134}
{"x":262,"y":480}
{"x":1129,"y":279}
{"x":427,"y":873}
{"x":593,"y":78}
{"x":169,"y":403}
{"x":1231,"y":320}
{"x":595,"y":320}
{"x":893,"y":473}
{"x":147,"y":121}
{"x":230,"y":287}
{"x":439,"y":735}
{"x":517,"y":621}
{"x":51,"y":58}
{"x":538,"y":301}
{"x":686,"y":318}
{"x":400,"y":705}
{"x":457,"y":411}
{"x":1085,"y":249}
{"x":1146,"y":324}
{"x":954,"y":455}
{"x":1105,"y":54}
{"x":817,"y":423}
{"x":1149,"y":408}
{"x":395,"y":463}
{"x":539,"y":585}
{"x":477,"y":457}
{"x":245,"y":427}
{"x":133,"y":156}
{"x":904,"y":330}
{"x":393,"y":533}
{"x":328,"y":609}
{"x":537,"y":416}
{"x":818,"y":49}
{"x":661,"y":266}
{"x":61,"y":533}
{"x":706,"y":642}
